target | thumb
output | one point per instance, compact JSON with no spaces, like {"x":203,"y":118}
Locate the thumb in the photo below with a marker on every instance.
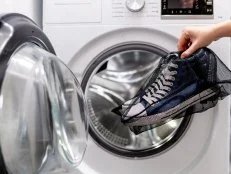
{"x":189,"y":51}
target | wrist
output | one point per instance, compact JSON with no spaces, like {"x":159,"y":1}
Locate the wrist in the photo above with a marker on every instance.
{"x":216,"y":32}
{"x":220,"y":30}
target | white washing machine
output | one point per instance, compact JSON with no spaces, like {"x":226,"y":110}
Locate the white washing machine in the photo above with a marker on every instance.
{"x":111,"y":46}
{"x":111,"y":51}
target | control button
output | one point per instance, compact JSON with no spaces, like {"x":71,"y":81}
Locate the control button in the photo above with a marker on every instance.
{"x":135,"y":5}
{"x":209,"y":2}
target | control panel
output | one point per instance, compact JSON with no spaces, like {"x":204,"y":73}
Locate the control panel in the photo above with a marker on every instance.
{"x":135,"y":12}
{"x":166,"y":9}
{"x":187,"y":7}
{"x":146,"y":12}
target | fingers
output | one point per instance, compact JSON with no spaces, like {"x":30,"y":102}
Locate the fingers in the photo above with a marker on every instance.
{"x":187,"y":43}
{"x":189,"y":51}
{"x":192,"y":38}
{"x":183,"y":41}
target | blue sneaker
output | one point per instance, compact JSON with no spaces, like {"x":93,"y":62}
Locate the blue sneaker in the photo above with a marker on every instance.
{"x":176,"y":85}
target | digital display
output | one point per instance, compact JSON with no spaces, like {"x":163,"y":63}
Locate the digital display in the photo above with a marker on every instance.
{"x":187,"y":7}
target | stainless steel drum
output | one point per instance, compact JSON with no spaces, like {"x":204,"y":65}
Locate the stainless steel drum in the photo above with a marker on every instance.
{"x":116,"y":77}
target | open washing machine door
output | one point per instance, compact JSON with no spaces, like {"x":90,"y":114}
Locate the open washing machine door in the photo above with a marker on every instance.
{"x":43,"y":127}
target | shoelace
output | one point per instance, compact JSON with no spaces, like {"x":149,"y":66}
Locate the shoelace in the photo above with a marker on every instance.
{"x":162,"y":85}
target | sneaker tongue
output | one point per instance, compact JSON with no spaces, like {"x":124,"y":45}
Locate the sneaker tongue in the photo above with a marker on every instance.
{"x":197,"y":55}
{"x":200,"y":52}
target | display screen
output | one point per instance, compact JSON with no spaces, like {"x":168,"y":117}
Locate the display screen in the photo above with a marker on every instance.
{"x":186,"y":7}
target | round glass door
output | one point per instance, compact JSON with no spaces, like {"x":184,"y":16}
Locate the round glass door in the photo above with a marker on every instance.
{"x":113,"y":78}
{"x":44,"y":125}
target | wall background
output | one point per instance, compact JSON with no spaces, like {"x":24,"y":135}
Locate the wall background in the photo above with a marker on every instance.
{"x":30,"y":8}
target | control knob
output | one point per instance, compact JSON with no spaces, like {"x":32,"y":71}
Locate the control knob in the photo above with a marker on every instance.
{"x":135,"y":5}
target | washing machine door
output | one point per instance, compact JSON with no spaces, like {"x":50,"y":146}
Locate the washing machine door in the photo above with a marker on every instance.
{"x":43,"y":127}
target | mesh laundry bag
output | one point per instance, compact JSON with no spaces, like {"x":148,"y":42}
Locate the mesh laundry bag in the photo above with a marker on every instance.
{"x":177,"y":88}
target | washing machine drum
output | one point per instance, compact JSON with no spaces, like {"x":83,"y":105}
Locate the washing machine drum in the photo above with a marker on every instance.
{"x":43,"y":125}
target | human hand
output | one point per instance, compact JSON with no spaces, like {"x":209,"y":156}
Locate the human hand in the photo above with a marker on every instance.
{"x":193,"y":38}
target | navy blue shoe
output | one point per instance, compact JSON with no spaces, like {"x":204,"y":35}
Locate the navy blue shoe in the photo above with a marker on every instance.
{"x":177,"y":85}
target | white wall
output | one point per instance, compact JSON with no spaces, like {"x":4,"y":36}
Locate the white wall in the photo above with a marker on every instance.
{"x":30,"y":8}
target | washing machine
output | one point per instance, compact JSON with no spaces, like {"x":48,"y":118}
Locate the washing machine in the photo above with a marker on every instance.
{"x":106,"y":50}
{"x":112,"y":46}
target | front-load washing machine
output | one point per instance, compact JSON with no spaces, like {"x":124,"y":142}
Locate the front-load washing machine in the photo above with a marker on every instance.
{"x":112,"y":46}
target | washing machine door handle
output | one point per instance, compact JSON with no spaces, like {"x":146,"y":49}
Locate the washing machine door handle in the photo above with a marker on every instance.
{"x":43,"y":127}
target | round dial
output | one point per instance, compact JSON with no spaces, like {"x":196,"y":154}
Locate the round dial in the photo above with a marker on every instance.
{"x":135,"y":5}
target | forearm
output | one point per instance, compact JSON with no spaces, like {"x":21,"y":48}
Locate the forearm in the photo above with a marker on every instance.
{"x":222,"y":29}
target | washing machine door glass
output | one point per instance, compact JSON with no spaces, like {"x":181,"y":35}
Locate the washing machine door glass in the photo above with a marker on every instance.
{"x":43,"y":126}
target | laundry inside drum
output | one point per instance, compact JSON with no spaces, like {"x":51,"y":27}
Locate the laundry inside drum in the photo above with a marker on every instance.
{"x":116,"y":80}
